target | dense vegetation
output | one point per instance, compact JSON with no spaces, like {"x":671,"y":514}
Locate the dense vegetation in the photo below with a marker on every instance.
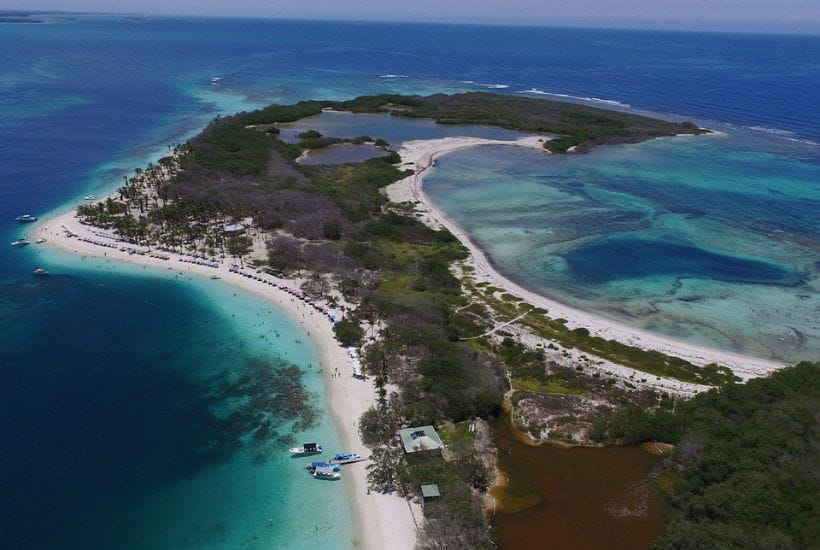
{"x":578,"y":126}
{"x":574,"y":125}
{"x":745,"y":470}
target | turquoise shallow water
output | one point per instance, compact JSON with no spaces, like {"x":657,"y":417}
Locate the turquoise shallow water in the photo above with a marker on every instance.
{"x":138,"y":416}
{"x":711,"y":240}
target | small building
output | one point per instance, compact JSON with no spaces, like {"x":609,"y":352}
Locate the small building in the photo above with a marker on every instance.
{"x":421,"y":438}
{"x":234,"y":229}
{"x":429,"y":492}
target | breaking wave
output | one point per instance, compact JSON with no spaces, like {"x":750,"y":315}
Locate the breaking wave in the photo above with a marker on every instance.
{"x":575,"y":97}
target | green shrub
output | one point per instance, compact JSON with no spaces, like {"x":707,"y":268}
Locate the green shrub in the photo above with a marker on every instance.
{"x":348,"y":332}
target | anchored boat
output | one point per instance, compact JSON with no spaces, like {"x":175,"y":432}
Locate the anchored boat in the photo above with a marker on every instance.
{"x":26,"y":218}
{"x":307,"y":449}
{"x":326,"y":473}
{"x":40,"y":271}
{"x":20,"y":243}
{"x":322,"y":464}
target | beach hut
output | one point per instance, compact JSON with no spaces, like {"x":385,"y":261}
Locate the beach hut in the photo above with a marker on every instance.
{"x":429,"y":492}
{"x":420,"y":438}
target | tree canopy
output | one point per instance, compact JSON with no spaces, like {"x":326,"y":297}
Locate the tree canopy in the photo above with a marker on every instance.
{"x":745,"y":470}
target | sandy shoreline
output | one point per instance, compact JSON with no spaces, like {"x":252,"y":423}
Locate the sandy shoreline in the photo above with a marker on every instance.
{"x":382,"y":521}
{"x":421,"y":156}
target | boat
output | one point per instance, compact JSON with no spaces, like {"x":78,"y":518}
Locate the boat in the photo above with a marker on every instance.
{"x":326,"y":473}
{"x":322,"y":464}
{"x":26,"y":218}
{"x":40,"y":271}
{"x":346,"y":458}
{"x":307,"y":449}
{"x":41,"y":240}
{"x":89,"y":197}
{"x":20,"y":243}
{"x":215,"y":277}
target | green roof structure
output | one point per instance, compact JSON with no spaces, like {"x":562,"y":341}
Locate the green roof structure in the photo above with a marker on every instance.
{"x":421,"y":438}
{"x":430,"y":491}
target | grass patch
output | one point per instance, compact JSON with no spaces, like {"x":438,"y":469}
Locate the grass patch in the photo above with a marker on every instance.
{"x":456,"y":433}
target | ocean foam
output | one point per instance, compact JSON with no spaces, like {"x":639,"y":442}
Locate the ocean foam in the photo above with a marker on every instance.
{"x":785,"y":134}
{"x":393,"y":76}
{"x":773,"y":131}
{"x":575,"y":97}
{"x":490,"y":86}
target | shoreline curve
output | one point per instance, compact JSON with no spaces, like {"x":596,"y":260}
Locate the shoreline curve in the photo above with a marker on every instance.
{"x":421,"y":156}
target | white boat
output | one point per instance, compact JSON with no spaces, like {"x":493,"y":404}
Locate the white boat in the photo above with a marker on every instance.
{"x":322,"y":464}
{"x":41,"y":240}
{"x":326,"y":473}
{"x":26,"y":218}
{"x":40,"y":271}
{"x":89,"y":197}
{"x":346,"y":458}
{"x":306,"y":449}
{"x":20,"y":243}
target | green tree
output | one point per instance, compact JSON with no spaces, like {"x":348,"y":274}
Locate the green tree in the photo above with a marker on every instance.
{"x":348,"y":332}
{"x":348,"y":286}
{"x":239,"y":246}
{"x":378,"y":425}
{"x":332,"y":229}
{"x":387,"y":466}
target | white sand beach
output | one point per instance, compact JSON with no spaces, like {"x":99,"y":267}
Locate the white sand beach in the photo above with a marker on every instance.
{"x":421,"y":156}
{"x":383,"y":520}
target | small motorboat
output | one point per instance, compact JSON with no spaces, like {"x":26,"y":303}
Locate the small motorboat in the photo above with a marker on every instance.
{"x":41,"y":240}
{"x":215,"y":277}
{"x":322,"y":464}
{"x":307,"y":449}
{"x":40,"y":271}
{"x":26,"y":218}
{"x":89,"y":197}
{"x":20,"y":243}
{"x":326,"y":473}
{"x":345,"y":458}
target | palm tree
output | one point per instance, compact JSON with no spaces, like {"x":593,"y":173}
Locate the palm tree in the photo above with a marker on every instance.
{"x":239,"y":246}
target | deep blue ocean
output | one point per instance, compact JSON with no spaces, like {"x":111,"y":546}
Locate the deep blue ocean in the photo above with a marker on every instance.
{"x":107,"y":375}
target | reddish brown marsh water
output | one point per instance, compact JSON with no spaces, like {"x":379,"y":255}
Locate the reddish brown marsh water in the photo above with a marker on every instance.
{"x":575,"y":498}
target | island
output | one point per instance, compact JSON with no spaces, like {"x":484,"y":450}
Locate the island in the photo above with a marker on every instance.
{"x":379,"y":276}
{"x":19,"y":17}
